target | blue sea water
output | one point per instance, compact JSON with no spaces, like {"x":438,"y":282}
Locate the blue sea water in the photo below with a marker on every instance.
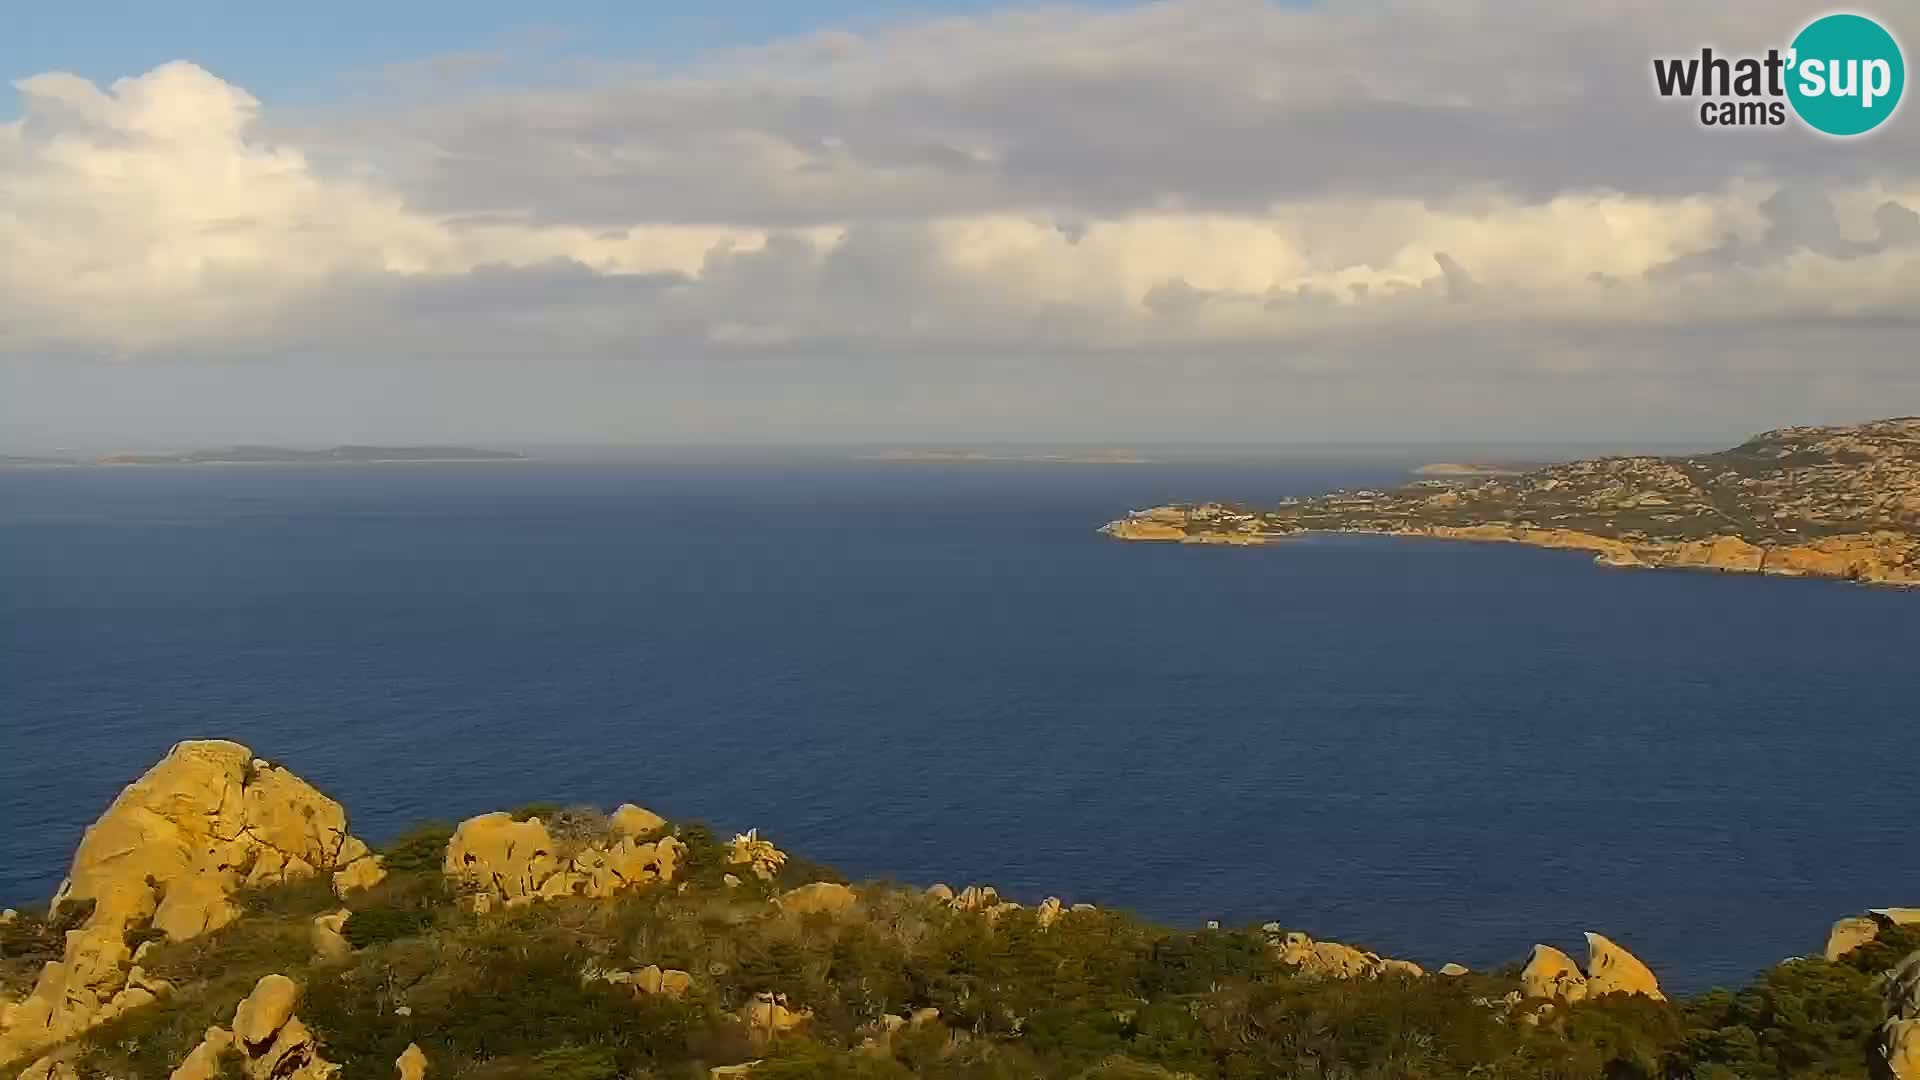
{"x":939,"y":672}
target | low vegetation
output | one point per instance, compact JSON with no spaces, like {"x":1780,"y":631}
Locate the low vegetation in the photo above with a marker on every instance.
{"x":1097,"y":995}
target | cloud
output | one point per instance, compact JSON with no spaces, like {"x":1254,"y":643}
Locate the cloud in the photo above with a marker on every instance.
{"x":1295,"y":193}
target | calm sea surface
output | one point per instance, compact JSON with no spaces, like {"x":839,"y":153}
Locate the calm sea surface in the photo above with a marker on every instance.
{"x":939,"y":672}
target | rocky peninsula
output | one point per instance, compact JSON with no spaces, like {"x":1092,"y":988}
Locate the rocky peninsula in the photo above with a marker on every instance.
{"x":1835,"y":502}
{"x":221,"y":920}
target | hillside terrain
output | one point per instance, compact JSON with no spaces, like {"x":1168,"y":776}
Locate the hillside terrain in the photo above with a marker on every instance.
{"x":1838,"y":502}
{"x":221,"y":920}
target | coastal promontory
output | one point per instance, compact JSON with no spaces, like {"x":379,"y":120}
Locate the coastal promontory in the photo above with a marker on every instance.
{"x":1838,"y":502}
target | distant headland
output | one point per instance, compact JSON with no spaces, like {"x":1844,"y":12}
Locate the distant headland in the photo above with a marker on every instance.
{"x":1840,"y":502}
{"x":280,"y":455}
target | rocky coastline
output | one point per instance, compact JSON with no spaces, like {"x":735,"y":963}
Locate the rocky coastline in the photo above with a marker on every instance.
{"x":1840,"y":503}
{"x":178,"y":938}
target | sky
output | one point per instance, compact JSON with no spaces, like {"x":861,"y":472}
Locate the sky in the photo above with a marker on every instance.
{"x":790,"y":222}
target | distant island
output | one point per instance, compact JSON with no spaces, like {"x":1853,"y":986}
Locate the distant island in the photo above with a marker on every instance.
{"x":1840,"y":502}
{"x":1087,"y":457}
{"x":1448,"y":468}
{"x":283,"y":455}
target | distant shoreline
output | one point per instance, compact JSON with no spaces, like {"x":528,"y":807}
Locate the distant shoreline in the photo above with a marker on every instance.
{"x":277,"y":455}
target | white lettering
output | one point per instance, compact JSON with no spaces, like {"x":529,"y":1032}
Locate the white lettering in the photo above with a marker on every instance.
{"x":1879,"y":80}
{"x":1813,"y":78}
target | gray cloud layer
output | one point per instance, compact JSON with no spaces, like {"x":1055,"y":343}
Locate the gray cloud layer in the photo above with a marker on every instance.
{"x":1408,"y":218}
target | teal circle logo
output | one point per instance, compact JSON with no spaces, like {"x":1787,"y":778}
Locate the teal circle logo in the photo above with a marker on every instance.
{"x":1846,"y":75}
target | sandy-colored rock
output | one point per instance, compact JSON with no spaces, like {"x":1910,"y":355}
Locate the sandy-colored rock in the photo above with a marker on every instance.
{"x":411,"y":1064}
{"x":1854,"y":931}
{"x":1048,"y":912}
{"x":1900,"y":1034}
{"x":203,"y":1062}
{"x":500,"y":862}
{"x":496,"y":854}
{"x":1331,"y":959}
{"x":731,"y":881}
{"x":293,"y":1055}
{"x":1613,"y":970}
{"x":1849,"y":934}
{"x":270,"y":1040}
{"x":767,"y":1016}
{"x":976,"y":898}
{"x":362,"y":873}
{"x":820,"y":897}
{"x":326,"y":935}
{"x":940,"y":892}
{"x":635,"y":822}
{"x":172,"y":849}
{"x":675,"y":983}
{"x":731,"y":1072}
{"x":1552,"y":975}
{"x":265,"y":1010}
{"x":757,"y":855}
{"x":195,"y":905}
{"x":1453,"y":970}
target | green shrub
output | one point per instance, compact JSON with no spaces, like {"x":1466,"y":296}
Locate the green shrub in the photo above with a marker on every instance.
{"x":422,"y":849}
{"x":379,"y":925}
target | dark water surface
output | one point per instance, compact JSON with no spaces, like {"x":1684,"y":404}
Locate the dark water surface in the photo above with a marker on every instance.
{"x":939,"y":672}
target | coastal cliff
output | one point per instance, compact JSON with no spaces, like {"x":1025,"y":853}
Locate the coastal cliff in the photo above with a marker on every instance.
{"x":220,"y":920}
{"x":1836,"y":502}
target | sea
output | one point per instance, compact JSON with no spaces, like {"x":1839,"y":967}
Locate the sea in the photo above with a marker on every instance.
{"x":922,"y":671}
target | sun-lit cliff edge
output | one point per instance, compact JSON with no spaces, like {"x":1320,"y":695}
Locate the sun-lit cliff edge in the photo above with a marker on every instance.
{"x":1838,"y":502}
{"x":220,"y":921}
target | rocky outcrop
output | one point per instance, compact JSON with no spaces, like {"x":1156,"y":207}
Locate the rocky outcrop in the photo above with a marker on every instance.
{"x":1854,"y":931}
{"x":170,"y":853}
{"x":1900,"y":1034}
{"x":821,"y":897}
{"x":636,"y":822}
{"x":1332,"y":960}
{"x":976,"y":898}
{"x":877,"y":1037}
{"x":1613,"y":970}
{"x":652,"y":979}
{"x":767,"y":1017}
{"x":411,"y":1064}
{"x":501,"y":862}
{"x":328,"y":938}
{"x":1552,"y":975}
{"x":1840,"y":502}
{"x":269,"y":1040}
{"x":757,"y":855}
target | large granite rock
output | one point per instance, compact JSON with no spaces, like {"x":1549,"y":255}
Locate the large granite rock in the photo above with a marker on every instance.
{"x":1854,"y":931}
{"x":1331,"y":959}
{"x":821,"y":897}
{"x":502,"y":862}
{"x":171,"y":852}
{"x":1613,"y":970}
{"x":1552,"y":975}
{"x":269,"y":1039}
{"x":1900,"y":1034}
{"x":411,"y":1064}
{"x":757,"y":855}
